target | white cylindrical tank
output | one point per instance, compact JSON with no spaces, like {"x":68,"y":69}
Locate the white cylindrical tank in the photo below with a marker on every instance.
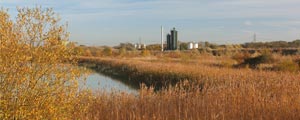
{"x":135,"y":46}
{"x":196,"y":46}
{"x":190,"y":46}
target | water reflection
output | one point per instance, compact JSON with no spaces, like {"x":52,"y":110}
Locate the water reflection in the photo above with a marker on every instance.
{"x":97,"y":81}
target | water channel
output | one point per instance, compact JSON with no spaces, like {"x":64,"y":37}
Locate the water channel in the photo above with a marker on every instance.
{"x":100,"y":82}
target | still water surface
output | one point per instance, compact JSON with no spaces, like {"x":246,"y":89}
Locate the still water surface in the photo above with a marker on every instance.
{"x":100,"y":82}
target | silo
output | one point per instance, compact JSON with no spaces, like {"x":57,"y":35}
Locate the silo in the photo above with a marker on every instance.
{"x":168,"y":42}
{"x":174,"y":39}
{"x":196,"y":45}
{"x":190,"y":45}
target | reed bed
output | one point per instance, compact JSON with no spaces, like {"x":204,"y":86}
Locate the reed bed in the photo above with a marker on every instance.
{"x":205,"y":92}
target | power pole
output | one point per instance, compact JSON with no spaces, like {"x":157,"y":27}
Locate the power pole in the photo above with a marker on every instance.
{"x":162,"y":38}
{"x":254,"y":37}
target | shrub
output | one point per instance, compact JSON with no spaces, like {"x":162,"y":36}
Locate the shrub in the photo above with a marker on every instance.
{"x":240,"y":57}
{"x":227,"y":63}
{"x":287,"y":65}
{"x":37,"y":76}
{"x":122,"y":51}
{"x":107,"y":51}
{"x":255,"y":61}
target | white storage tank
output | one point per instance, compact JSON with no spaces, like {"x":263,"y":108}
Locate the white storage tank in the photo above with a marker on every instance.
{"x":135,"y":46}
{"x":190,"y":46}
{"x":196,"y":46}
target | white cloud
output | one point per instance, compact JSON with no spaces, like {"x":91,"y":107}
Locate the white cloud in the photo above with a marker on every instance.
{"x":248,"y":23}
{"x":264,"y":16}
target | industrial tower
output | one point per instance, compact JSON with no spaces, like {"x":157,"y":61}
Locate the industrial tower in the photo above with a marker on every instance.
{"x":172,"y":40}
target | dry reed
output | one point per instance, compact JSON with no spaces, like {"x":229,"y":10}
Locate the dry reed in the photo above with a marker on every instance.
{"x":214,"y":93}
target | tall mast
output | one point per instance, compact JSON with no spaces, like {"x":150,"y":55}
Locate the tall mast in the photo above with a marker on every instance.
{"x":162,"y":38}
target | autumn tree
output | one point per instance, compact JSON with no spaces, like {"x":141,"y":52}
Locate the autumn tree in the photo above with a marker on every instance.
{"x":38,"y":78}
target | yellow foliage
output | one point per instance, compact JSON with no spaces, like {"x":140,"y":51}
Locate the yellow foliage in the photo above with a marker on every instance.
{"x":37,"y":76}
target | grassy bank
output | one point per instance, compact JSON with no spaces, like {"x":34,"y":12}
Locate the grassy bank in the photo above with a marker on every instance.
{"x":136,"y":72}
{"x":206,"y":92}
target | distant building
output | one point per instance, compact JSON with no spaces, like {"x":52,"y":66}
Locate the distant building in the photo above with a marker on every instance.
{"x":169,"y":42}
{"x":193,"y":45}
{"x":196,"y":46}
{"x":190,"y":45}
{"x":172,"y":40}
{"x":139,"y":46}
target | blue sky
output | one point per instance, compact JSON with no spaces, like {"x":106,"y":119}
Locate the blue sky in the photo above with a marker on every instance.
{"x":109,"y":22}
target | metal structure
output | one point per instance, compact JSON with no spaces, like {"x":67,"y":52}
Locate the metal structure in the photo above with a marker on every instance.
{"x":172,"y":40}
{"x":169,"y":41}
{"x":162,"y":38}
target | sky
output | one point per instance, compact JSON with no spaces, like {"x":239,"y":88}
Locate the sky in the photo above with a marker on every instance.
{"x":110,"y":22}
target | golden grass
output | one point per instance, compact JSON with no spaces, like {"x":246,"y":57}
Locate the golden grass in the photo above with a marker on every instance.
{"x":214,"y":93}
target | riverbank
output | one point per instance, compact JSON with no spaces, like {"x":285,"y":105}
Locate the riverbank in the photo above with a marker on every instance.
{"x":135,"y":73}
{"x":161,"y":73}
{"x":207,"y":92}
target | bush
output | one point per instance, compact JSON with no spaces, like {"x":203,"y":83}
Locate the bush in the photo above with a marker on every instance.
{"x":227,"y":63}
{"x":240,"y":57}
{"x":255,"y":61}
{"x":107,"y":51}
{"x":287,"y":65}
{"x":122,"y":51}
{"x":37,"y":75}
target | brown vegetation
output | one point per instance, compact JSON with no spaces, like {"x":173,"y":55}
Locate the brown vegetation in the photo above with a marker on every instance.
{"x":38,"y":79}
{"x":207,"y":93}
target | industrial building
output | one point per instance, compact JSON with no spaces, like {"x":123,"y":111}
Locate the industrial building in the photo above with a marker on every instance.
{"x":193,"y":45}
{"x":139,"y":46}
{"x":172,"y":40}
